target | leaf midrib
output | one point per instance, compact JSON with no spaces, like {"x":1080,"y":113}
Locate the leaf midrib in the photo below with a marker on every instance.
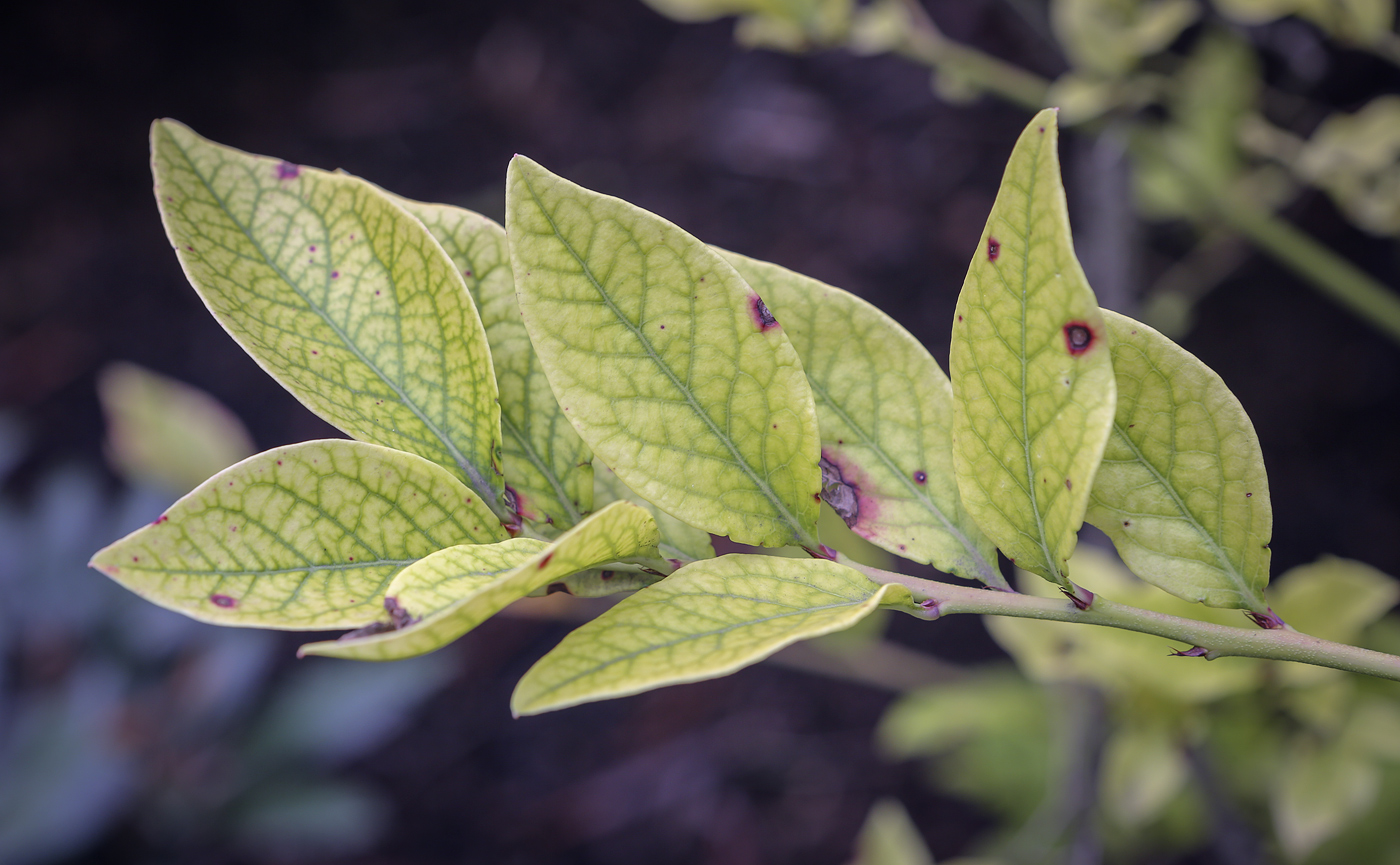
{"x":474,"y":477}
{"x":800,"y":534}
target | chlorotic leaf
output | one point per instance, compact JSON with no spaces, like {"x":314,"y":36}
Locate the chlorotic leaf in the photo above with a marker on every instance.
{"x":666,"y":362}
{"x":547,"y":466}
{"x":706,"y":620}
{"x":164,"y":432}
{"x":889,"y":837}
{"x":885,"y":412}
{"x":680,"y":541}
{"x":1032,"y":378}
{"x":447,"y":594}
{"x":1182,"y":489}
{"x":1318,"y":792}
{"x":340,"y":295}
{"x":304,"y":537}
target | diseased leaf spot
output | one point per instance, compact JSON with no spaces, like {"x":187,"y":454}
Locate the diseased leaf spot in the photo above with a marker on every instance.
{"x":1249,"y":495}
{"x":838,"y":493}
{"x":544,"y":561}
{"x":312,"y":248}
{"x":920,"y":477}
{"x":1069,"y":485}
{"x":761,"y":315}
{"x":335,"y":274}
{"x":606,"y":575}
{"x":160,"y":519}
{"x":222,"y":601}
{"x":555,"y":588}
{"x":993,"y":250}
{"x":1079,"y":337}
{"x":1127,"y":523}
{"x":289,"y":171}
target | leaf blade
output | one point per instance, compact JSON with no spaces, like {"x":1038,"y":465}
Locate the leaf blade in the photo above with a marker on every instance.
{"x":712,"y":419}
{"x":758,"y":603}
{"x":885,"y":414}
{"x":1182,"y":490}
{"x":338,"y":294}
{"x":256,"y":544}
{"x":1034,"y":396}
{"x":620,"y":530}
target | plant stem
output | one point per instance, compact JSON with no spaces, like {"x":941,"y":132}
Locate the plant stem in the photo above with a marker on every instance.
{"x":1219,"y":641}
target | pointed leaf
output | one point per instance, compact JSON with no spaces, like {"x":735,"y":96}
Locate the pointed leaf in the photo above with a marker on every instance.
{"x":666,"y":362}
{"x":680,"y":541}
{"x":547,"y":466}
{"x":706,"y":620}
{"x":339,"y":294}
{"x":889,"y":837}
{"x":1031,"y":373}
{"x":449,"y":593}
{"x":885,"y":411}
{"x":299,"y":538}
{"x":1181,"y":489}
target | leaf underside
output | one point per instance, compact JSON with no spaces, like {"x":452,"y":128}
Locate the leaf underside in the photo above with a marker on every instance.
{"x":885,"y":411}
{"x":1031,"y":373}
{"x":704,"y":621}
{"x":663,"y":361}
{"x":304,"y":537}
{"x":1182,"y":490}
{"x":459,"y":588}
{"x":338,"y":294}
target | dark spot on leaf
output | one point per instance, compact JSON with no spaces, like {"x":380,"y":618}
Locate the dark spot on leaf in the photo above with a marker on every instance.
{"x":555,"y":588}
{"x":466,"y":273}
{"x":761,"y":315}
{"x":663,"y":327}
{"x":136,"y":558}
{"x":287,"y":171}
{"x":233,"y":528}
{"x":1127,"y":522}
{"x":1069,"y":485}
{"x":841,"y":495}
{"x":368,"y":630}
{"x":902,"y":548}
{"x":959,"y":316}
{"x":606,"y":575}
{"x":335,"y":274}
{"x":160,"y":519}
{"x":544,"y":561}
{"x":1249,"y":495}
{"x":279,"y":462}
{"x":312,"y":248}
{"x":398,"y":615}
{"x":993,"y":248}
{"x":920,"y":477}
{"x":222,"y":601}
{"x":1042,"y":129}
{"x":1079,"y":337}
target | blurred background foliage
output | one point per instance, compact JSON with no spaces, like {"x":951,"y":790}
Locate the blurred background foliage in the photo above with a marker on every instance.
{"x":1232,"y":174}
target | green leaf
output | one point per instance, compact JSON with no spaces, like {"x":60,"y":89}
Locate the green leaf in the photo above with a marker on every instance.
{"x":665,"y":361}
{"x":1110,"y":37}
{"x":163,"y":432}
{"x":1334,"y":598}
{"x":1182,"y":489}
{"x":680,"y":541}
{"x":447,"y":594}
{"x":1319,"y":791}
{"x":1143,"y":770}
{"x":1356,"y":158}
{"x":889,"y":837}
{"x":304,"y":537}
{"x":1032,"y":378}
{"x":340,"y":295}
{"x":547,"y":466}
{"x":885,"y":412}
{"x":706,"y":620}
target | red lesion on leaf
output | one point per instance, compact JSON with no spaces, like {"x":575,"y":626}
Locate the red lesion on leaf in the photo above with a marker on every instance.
{"x":1079,"y":337}
{"x":222,"y":601}
{"x":288,"y":171}
{"x":762,"y":316}
{"x":842,"y":483}
{"x":160,"y":519}
{"x":993,"y":248}
{"x":544,"y":561}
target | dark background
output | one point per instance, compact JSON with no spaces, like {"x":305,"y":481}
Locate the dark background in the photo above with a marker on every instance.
{"x":845,"y":168}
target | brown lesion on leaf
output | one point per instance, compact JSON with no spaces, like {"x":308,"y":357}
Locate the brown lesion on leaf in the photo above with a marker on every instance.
{"x":837,"y":492}
{"x":399,"y":618}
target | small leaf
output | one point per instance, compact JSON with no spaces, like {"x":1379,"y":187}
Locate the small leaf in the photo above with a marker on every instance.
{"x":340,"y":295}
{"x":1110,"y":37}
{"x":1182,"y":489}
{"x":1334,"y":598}
{"x":889,"y":837}
{"x":885,"y":412}
{"x":706,"y":620}
{"x":449,"y":593}
{"x":163,"y":432}
{"x":1143,"y":770}
{"x":547,"y":466}
{"x":1031,"y":374}
{"x":680,"y":541}
{"x":1318,"y":793}
{"x":666,"y":362}
{"x":305,"y":537}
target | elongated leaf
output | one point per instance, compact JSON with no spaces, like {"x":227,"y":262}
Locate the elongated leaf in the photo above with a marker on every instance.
{"x":885,"y":411}
{"x":304,"y":537}
{"x":1181,"y":489}
{"x":547,"y":466}
{"x":706,"y":620}
{"x":340,"y":295}
{"x":680,"y":541}
{"x":1031,"y":372}
{"x":666,"y":362}
{"x":448,"y":594}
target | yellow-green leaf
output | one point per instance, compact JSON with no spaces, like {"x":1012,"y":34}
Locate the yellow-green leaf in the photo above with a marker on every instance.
{"x":340,"y":295}
{"x":447,"y":594}
{"x":1318,"y":792}
{"x":164,"y":432}
{"x":547,"y":466}
{"x":889,"y":837}
{"x":885,"y":411}
{"x":706,"y":620}
{"x":1182,"y":489}
{"x":666,"y":362}
{"x":680,"y":541}
{"x":1110,"y":37}
{"x":304,"y":537}
{"x":1032,"y":378}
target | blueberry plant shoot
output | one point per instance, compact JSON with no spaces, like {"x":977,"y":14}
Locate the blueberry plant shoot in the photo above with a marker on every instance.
{"x":579,"y":400}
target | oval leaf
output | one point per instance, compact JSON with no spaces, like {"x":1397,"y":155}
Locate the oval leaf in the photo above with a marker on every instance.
{"x":666,"y":362}
{"x":1031,"y":373}
{"x":1181,"y":489}
{"x":299,"y":538}
{"x":442,"y":597}
{"x":547,"y":466}
{"x":706,"y":620}
{"x":885,"y":411}
{"x":340,"y":295}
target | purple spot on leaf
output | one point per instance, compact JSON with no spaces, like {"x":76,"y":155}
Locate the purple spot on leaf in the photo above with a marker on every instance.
{"x":287,"y":171}
{"x":222,"y":601}
{"x":761,"y":315}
